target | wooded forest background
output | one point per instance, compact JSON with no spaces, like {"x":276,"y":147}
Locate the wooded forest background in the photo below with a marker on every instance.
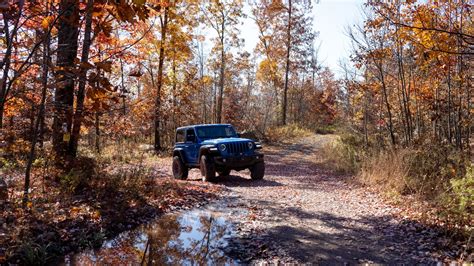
{"x":85,"y":73}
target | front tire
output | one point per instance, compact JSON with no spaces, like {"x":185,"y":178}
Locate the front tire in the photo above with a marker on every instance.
{"x":180,"y":171}
{"x":208,"y":168}
{"x":257,"y":171}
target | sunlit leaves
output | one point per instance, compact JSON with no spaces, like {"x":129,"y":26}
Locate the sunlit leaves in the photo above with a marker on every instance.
{"x":46,"y":22}
{"x":412,"y":62}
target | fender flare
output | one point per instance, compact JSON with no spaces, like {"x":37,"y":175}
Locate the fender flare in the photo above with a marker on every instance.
{"x":204,"y":150}
{"x":180,"y":153}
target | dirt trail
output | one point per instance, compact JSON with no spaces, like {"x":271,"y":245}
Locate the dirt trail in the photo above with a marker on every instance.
{"x":302,"y":213}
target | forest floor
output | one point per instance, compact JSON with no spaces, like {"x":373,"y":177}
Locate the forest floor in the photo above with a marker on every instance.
{"x":301,"y":212}
{"x":118,"y":197}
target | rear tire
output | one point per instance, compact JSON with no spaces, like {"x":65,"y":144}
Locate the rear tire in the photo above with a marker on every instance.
{"x":180,"y":171}
{"x":208,"y":168}
{"x":225,"y":172}
{"x":257,"y":171}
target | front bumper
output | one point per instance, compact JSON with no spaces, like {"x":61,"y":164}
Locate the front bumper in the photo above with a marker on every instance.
{"x":238,"y":163}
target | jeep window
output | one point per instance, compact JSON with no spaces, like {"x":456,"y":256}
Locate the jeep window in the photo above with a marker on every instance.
{"x":180,"y":136}
{"x":190,"y":135}
{"x":214,"y":132}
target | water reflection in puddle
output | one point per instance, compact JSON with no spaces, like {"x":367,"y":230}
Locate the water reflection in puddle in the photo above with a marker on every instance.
{"x":189,"y":238}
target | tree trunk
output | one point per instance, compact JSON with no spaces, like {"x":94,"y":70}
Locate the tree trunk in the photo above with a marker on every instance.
{"x":405,"y":106}
{"x":164,"y":24}
{"x":202,"y":85}
{"x":68,"y":31}
{"x":287,"y":67}
{"x":6,"y":61}
{"x":387,"y":104}
{"x":449,"y":105}
{"x":173,"y":92}
{"x":222,"y":71}
{"x":39,"y":119}
{"x":214,"y":98}
{"x":97,"y":132}
{"x":124,"y":106}
{"x":76,"y":129}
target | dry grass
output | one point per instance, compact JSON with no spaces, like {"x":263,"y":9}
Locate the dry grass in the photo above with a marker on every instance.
{"x":388,"y":170}
{"x":341,"y":157}
{"x":438,"y":176}
{"x":287,"y":134}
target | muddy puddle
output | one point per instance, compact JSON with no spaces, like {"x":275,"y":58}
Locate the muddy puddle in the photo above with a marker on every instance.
{"x":195,"y":237}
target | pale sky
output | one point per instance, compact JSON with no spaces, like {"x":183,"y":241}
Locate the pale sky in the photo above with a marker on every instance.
{"x":331,"y":18}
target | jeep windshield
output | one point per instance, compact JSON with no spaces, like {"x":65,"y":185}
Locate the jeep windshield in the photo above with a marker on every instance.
{"x":215,"y":132}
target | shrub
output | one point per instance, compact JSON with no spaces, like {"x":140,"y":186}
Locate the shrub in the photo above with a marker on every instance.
{"x":463,"y":192}
{"x":325,"y":129}
{"x":125,"y":152}
{"x":74,"y":181}
{"x":437,"y":174}
{"x":36,"y":254}
{"x":432,"y":168}
{"x":458,"y":201}
{"x":388,"y":170}
{"x":82,"y":171}
{"x":7,"y":164}
{"x":340,"y":157}
{"x":287,"y":133}
{"x":345,"y":154}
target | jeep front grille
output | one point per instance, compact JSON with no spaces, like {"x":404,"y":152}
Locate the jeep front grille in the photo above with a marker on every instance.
{"x":237,"y":147}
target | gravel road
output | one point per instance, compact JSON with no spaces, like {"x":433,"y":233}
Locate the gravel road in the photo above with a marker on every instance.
{"x":302,"y":213}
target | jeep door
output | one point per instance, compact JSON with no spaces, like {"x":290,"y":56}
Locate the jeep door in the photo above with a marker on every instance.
{"x":191,"y":147}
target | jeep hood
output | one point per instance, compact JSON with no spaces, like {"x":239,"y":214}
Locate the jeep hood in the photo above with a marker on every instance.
{"x":224,"y":140}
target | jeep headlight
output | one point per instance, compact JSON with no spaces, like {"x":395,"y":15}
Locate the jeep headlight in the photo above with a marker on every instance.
{"x":222,"y":147}
{"x":250,"y":144}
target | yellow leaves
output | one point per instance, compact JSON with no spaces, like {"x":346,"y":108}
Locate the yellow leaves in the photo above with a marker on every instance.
{"x":96,"y":215}
{"x":46,"y":22}
{"x":96,"y":94}
{"x":74,"y":210}
{"x":267,"y":69}
{"x":139,"y":2}
{"x":84,"y":210}
{"x":207,"y":80}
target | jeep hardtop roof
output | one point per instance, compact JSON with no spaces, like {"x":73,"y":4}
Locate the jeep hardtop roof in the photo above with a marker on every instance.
{"x":200,"y":125}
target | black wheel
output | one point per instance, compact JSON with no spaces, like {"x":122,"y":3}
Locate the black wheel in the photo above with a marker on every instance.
{"x":257,"y":171}
{"x":180,"y":171}
{"x":208,"y":169}
{"x":225,"y":172}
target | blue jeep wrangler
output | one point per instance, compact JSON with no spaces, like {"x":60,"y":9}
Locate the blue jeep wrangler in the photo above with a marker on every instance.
{"x":215,"y":148}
